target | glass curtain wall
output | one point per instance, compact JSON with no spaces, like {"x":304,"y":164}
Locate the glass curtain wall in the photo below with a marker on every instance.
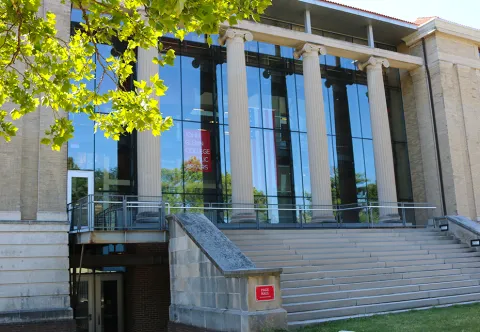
{"x":195,"y":152}
{"x":113,"y":162}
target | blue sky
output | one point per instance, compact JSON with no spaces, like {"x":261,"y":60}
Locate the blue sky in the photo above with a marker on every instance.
{"x":465,"y":12}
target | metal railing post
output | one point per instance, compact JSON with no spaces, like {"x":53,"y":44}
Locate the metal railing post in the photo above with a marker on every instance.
{"x":124,"y":208}
{"x":90,"y":211}
{"x":404,"y":212}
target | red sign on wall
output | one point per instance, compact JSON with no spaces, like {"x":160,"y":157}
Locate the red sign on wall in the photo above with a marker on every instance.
{"x":265,"y":293}
{"x":197,"y":150}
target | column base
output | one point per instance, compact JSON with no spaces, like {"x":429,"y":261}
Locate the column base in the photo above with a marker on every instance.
{"x":390,"y":218}
{"x":323,"y":219}
{"x":244,"y":217}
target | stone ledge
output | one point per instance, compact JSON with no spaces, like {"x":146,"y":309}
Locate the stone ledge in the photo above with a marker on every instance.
{"x":228,"y":319}
{"x":225,"y":255}
{"x":466,"y":223}
{"x":31,"y":316}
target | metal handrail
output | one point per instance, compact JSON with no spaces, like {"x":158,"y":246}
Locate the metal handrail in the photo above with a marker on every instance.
{"x":127,"y":210}
{"x":337,"y":210}
{"x":128,"y":207}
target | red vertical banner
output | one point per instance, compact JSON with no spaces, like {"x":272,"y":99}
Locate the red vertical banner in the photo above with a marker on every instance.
{"x":197,"y":150}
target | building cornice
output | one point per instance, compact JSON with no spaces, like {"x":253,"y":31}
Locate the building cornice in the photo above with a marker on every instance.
{"x":290,"y":38}
{"x":446,"y":27}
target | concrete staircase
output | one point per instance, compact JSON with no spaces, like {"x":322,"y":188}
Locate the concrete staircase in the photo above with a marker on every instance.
{"x":334,"y":274}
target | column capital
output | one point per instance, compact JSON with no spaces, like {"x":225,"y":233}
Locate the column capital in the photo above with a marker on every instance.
{"x":244,"y":35}
{"x":374,"y":62}
{"x":308,"y":49}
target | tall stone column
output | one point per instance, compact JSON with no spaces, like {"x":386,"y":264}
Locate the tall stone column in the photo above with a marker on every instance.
{"x":149,"y":171}
{"x":239,"y":124}
{"x":382,"y":146}
{"x":316,"y":132}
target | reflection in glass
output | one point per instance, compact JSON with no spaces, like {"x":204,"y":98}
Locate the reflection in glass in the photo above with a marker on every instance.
{"x":80,"y":147}
{"x":364,"y":111}
{"x":171,"y":102}
{"x":113,"y":164}
{"x":172,"y":159}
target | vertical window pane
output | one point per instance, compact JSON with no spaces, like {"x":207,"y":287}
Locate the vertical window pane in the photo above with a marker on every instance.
{"x":270,"y":162}
{"x":297,"y":164}
{"x":302,"y":121}
{"x":364,"y":111}
{"x":360,"y":174}
{"x":222,"y":93}
{"x":112,"y":164}
{"x":305,"y":166}
{"x":370,"y":170}
{"x":328,"y":106}
{"x":292,"y":102}
{"x":104,"y":80}
{"x":172,"y":159}
{"x":80,"y":147}
{"x":354,"y":112}
{"x":171,"y":102}
{"x":200,"y":156}
{"x":254,"y":96}
{"x":258,"y":163}
{"x":197,"y":89}
{"x":225,"y":161}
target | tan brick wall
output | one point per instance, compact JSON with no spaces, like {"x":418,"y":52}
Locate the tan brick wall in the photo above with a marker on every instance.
{"x":33,"y":178}
{"x":453,"y":62}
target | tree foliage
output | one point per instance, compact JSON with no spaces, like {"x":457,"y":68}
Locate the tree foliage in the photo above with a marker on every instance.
{"x":41,"y":69}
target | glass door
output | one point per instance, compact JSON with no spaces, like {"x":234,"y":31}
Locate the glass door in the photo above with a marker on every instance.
{"x":84,"y":311}
{"x":79,"y":185}
{"x":109,"y":303}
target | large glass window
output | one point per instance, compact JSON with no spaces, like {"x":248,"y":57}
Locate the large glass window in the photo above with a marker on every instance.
{"x":113,"y":162}
{"x":198,"y":100}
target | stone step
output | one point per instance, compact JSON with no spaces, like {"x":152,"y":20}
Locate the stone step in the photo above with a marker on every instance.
{"x":328,"y":268}
{"x":374,"y":247}
{"x":267,"y":253}
{"x":353,"y":232}
{"x":376,"y":299}
{"x":312,"y":296}
{"x":314,"y":243}
{"x":341,"y":242}
{"x":375,"y":250}
{"x":295,"y":289}
{"x":310,"y":266}
{"x":275,"y":258}
{"x":374,"y":274}
{"x":311,"y":317}
{"x":335,"y":238}
{"x":370,"y":280}
{"x":458,"y":254}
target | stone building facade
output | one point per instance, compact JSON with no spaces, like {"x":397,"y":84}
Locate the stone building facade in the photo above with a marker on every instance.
{"x":438,"y":67}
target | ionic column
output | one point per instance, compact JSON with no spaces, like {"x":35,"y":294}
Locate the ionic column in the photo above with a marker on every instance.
{"x":239,"y":123}
{"x":149,"y":171}
{"x":316,"y":132}
{"x":382,"y":146}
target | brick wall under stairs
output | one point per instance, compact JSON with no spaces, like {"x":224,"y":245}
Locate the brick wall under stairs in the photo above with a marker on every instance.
{"x":333,"y":274}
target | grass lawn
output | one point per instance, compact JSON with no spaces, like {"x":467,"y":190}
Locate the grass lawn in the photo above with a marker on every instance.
{"x":465,"y":318}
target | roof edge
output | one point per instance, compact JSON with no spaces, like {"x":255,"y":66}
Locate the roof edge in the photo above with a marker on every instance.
{"x":361,"y":12}
{"x":437,"y":24}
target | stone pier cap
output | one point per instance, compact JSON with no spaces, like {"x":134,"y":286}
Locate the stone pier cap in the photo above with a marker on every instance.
{"x":214,"y":286}
{"x":222,"y":252}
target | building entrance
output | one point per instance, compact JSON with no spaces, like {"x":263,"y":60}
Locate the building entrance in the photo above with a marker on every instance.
{"x":100,"y":303}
